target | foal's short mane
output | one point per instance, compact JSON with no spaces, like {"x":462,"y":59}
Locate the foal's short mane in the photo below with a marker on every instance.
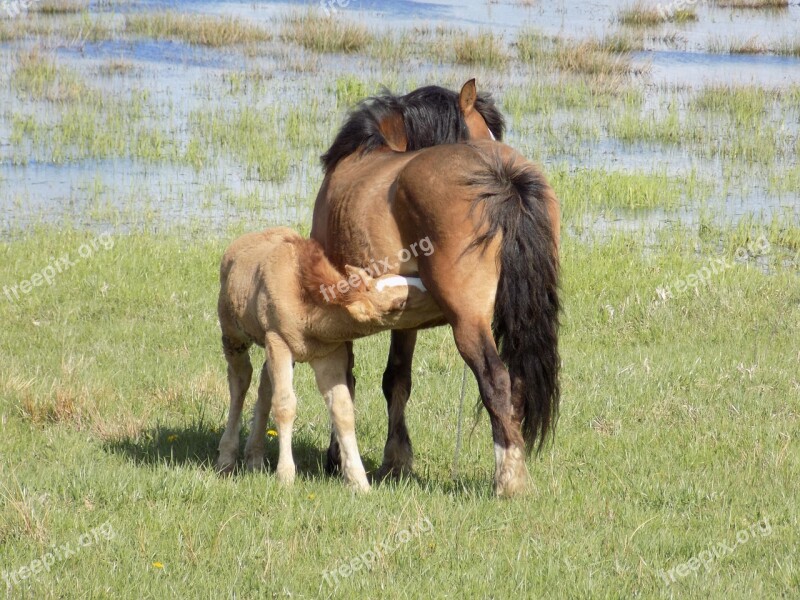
{"x":431,"y":116}
{"x":317,"y":272}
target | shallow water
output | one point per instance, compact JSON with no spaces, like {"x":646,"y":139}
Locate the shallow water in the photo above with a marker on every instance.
{"x":182,"y":78}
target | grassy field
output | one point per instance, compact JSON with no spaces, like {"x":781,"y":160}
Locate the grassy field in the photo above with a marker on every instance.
{"x":675,"y":465}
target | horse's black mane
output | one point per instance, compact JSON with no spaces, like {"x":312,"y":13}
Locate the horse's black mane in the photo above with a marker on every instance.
{"x":431,"y":115}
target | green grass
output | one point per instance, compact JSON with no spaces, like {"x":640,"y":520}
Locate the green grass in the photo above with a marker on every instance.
{"x":588,"y":191}
{"x":265,"y":142}
{"x":643,"y":14}
{"x":604,"y":58}
{"x":485,"y":49}
{"x":751,"y":45}
{"x":59,"y":7}
{"x":789,"y":47}
{"x":349,"y":91}
{"x":739,"y":123}
{"x":678,"y":419}
{"x":63,"y":28}
{"x":326,"y":34}
{"x":113,"y":395}
{"x":196,"y":29}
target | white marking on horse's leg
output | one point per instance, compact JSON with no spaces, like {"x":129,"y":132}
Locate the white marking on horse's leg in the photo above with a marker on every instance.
{"x":239,"y":373}
{"x":254,"y":449}
{"x":400,"y":280}
{"x":331,"y":376}
{"x":511,"y":475}
{"x":284,"y":403}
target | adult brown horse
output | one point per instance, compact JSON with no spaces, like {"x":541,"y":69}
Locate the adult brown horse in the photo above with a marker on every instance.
{"x":494,"y":223}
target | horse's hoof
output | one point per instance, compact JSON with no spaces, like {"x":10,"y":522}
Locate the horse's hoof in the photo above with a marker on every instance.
{"x":333,"y":462}
{"x":225,"y":469}
{"x":512,"y":479}
{"x":255,"y":465}
{"x":393,"y":472}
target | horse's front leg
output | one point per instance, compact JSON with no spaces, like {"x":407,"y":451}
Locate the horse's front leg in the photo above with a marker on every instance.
{"x":397,"y":454}
{"x":332,"y":381}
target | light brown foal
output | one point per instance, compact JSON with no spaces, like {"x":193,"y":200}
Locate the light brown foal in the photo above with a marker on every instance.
{"x":279,"y":291}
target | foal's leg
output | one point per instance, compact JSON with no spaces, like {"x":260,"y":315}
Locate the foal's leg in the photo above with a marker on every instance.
{"x":397,"y":454}
{"x":240,"y":372}
{"x":254,"y":449}
{"x":333,"y":459}
{"x":331,"y":376}
{"x":284,"y":402}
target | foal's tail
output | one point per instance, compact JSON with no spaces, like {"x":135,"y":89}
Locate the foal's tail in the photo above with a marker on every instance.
{"x":518,"y":202}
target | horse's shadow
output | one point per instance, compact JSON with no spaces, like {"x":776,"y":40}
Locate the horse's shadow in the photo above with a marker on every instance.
{"x":196,"y":445}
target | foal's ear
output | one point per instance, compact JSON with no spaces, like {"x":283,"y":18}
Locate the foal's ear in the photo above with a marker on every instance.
{"x":361,"y":274}
{"x":467,"y":97}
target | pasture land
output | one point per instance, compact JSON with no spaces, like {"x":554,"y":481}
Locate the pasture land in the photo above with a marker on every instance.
{"x":135,"y":144}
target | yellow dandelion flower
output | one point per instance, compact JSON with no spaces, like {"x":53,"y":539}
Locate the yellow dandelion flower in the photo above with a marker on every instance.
{"x":272,"y":433}
{"x":312,"y":496}
{"x":158,"y":565}
{"x":172,"y":438}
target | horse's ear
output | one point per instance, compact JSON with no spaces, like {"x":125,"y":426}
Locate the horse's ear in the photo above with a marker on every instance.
{"x":467,"y":97}
{"x":361,"y":274}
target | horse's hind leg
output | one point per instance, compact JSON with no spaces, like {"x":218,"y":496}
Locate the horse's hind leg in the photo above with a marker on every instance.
{"x":465,"y":289}
{"x":331,"y":376}
{"x":254,"y":449}
{"x":477,"y":347}
{"x":397,"y":454}
{"x":279,"y":366}
{"x":240,"y":372}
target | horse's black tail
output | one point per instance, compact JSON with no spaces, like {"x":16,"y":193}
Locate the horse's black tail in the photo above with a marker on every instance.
{"x":520,"y":204}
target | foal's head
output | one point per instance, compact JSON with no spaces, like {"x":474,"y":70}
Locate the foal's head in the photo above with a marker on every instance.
{"x":376,"y":303}
{"x":366,"y":299}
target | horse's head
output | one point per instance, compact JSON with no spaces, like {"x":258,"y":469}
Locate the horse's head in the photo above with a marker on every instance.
{"x":425,"y":117}
{"x":476,"y":122}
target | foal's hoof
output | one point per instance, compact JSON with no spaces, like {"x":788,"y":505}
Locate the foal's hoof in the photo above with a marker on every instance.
{"x":361,"y":487}
{"x":285,"y":475}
